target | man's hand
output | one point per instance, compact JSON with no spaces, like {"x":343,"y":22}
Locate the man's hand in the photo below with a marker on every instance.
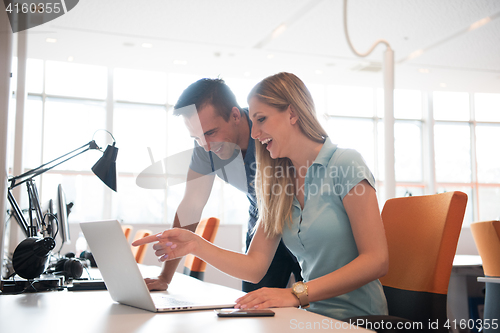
{"x":157,"y":284}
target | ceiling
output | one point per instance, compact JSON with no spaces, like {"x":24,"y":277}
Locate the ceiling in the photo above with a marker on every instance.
{"x":253,"y":39}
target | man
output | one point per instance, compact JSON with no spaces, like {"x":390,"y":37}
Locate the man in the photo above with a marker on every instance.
{"x":223,"y":146}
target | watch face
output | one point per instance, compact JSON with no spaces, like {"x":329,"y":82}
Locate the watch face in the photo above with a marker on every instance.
{"x":299,"y":288}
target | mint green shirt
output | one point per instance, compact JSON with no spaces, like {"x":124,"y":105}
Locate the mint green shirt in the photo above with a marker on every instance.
{"x":321,"y":236}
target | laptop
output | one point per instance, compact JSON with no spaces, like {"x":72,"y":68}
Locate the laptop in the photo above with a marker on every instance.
{"x":126,"y":285}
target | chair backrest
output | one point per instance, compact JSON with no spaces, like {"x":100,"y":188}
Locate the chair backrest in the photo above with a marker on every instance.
{"x":127,"y":230}
{"x":140,"y":251}
{"x":207,"y":228}
{"x":487,"y":238}
{"x":422,"y":236}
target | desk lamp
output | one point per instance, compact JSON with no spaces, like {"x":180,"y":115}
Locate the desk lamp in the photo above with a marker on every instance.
{"x":31,"y":255}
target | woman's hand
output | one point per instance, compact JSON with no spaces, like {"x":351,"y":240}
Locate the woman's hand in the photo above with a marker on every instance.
{"x":267,"y":298}
{"x":171,"y":244}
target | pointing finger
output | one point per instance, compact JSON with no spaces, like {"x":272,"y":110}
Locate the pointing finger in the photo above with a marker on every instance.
{"x":146,"y":240}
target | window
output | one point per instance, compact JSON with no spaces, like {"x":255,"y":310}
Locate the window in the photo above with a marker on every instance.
{"x":68,"y":103}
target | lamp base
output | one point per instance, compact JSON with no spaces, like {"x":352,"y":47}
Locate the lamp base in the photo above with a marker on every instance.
{"x":43,"y":283}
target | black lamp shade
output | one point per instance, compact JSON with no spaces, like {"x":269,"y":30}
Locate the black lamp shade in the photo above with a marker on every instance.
{"x":105,"y":168}
{"x":31,"y":256}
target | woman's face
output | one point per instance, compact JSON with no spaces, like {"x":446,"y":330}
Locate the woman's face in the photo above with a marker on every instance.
{"x":271,"y":127}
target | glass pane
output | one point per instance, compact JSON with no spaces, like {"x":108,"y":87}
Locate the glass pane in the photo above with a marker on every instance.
{"x":178,"y":138}
{"x":318,"y":93}
{"x":356,"y":134}
{"x":140,"y":86}
{"x":451,"y":105}
{"x":405,"y":191}
{"x":175,"y":194}
{"x":177,"y":83}
{"x":34,"y":76}
{"x":380,"y":151}
{"x":137,"y":127}
{"x":235,"y":206}
{"x":487,"y":107}
{"x":488,"y":153}
{"x":469,"y":210}
{"x":453,"y":153}
{"x":32,"y":133}
{"x":85,"y":191}
{"x":488,"y":199}
{"x":69,"y":124}
{"x":76,"y":80}
{"x":380,"y":103}
{"x":407,"y":104}
{"x":408,"y":151}
{"x":350,"y":101}
{"x":240,"y":89}
{"x":137,"y":205}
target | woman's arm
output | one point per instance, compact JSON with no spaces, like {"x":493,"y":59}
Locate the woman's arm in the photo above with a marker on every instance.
{"x":372,"y":263}
{"x":176,"y":243}
{"x":373,"y":260}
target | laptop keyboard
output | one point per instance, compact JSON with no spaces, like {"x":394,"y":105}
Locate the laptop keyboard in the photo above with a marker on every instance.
{"x":162,"y":301}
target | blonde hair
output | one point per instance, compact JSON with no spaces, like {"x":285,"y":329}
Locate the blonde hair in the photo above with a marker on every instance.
{"x":281,"y":91}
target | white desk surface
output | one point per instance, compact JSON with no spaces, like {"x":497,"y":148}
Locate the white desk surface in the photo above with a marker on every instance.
{"x":467,"y":260}
{"x":488,"y":279}
{"x":95,"y":312}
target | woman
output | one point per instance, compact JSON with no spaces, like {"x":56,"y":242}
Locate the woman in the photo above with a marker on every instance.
{"x":319,"y":198}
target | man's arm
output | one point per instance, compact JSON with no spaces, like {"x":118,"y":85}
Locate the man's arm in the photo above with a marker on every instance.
{"x":187,"y":216}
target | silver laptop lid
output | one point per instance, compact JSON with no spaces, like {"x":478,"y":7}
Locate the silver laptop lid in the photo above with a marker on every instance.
{"x":117,"y":264}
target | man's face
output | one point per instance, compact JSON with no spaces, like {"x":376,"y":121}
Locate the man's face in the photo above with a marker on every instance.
{"x":212,"y":132}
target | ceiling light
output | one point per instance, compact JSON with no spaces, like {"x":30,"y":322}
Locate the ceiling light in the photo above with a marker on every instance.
{"x":415,"y":54}
{"x":70,"y":58}
{"x":247,"y":73}
{"x":147,"y":45}
{"x":442,"y":85}
{"x":424,"y":70}
{"x":479,"y":23}
{"x":51,"y":40}
{"x":278,"y":31}
{"x":270,"y":56}
{"x":318,"y":71}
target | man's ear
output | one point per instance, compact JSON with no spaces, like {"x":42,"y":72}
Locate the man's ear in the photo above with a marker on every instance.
{"x":235,"y":114}
{"x":293,"y":115}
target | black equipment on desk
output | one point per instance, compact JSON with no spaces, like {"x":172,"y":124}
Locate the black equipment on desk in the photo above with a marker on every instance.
{"x":31,"y":256}
{"x":71,"y":268}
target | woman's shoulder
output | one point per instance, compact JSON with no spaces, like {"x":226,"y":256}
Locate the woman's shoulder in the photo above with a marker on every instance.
{"x":346,"y":156}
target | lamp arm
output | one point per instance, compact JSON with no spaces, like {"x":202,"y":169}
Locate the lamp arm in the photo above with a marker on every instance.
{"x":39,"y":170}
{"x":18,"y":214}
{"x":380,"y":41}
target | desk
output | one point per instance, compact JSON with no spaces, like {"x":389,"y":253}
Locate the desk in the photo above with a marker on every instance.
{"x":463,"y":285}
{"x":491,"y":303}
{"x":95,"y":312}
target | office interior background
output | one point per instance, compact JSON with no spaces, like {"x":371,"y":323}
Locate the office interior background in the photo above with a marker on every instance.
{"x":121,"y":65}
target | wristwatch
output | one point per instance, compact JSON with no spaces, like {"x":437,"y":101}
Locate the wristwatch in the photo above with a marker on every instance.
{"x":299,"y":289}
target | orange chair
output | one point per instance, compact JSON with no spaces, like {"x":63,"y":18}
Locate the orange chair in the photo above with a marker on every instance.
{"x":207,"y":229}
{"x":140,"y":251}
{"x":422,"y":235}
{"x":127,"y":230}
{"x":487,"y":238}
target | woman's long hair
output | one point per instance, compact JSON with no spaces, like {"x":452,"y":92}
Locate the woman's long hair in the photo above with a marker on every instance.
{"x":275,"y":178}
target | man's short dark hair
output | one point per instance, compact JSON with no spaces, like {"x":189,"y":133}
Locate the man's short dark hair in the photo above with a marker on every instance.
{"x":208,"y":91}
